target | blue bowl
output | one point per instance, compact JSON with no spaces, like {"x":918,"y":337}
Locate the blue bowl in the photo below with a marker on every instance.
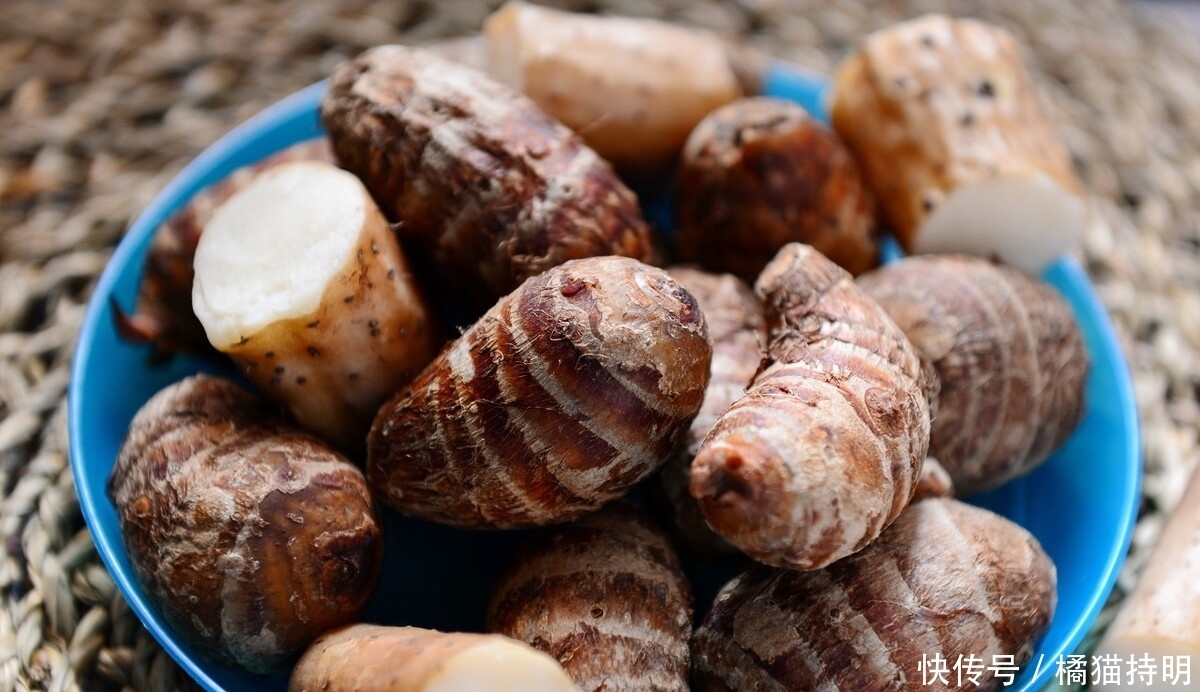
{"x":1081,"y":504}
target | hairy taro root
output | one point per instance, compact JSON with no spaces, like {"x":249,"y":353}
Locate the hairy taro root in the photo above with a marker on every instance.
{"x":378,"y":658}
{"x":761,"y":172}
{"x":560,"y":398}
{"x":825,"y":448}
{"x":251,"y":537}
{"x":164,"y":316}
{"x":945,"y":580}
{"x":300,"y":279}
{"x":484,"y":186}
{"x":1009,"y":355}
{"x":738,"y":331}
{"x":633,"y":88}
{"x":944,"y":120}
{"x":604,"y":595}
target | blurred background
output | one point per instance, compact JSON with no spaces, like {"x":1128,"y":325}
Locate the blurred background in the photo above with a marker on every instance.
{"x":1184,"y":10}
{"x":102,"y":103}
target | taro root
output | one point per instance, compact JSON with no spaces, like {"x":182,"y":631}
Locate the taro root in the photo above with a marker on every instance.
{"x":564,"y":395}
{"x":738,"y":330}
{"x":604,"y":595}
{"x":825,"y":448}
{"x":946,"y":581}
{"x":1158,"y":618}
{"x":760,"y":173}
{"x":1009,"y":355}
{"x":633,"y":88}
{"x":934,"y":481}
{"x":300,"y":279}
{"x":250,"y":537}
{"x":378,"y":658}
{"x":164,"y":316}
{"x":486,"y":189}
{"x":944,"y":119}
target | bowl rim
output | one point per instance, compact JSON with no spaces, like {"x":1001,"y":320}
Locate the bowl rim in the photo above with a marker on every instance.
{"x":783,"y":79}
{"x":201,"y":171}
{"x":1088,"y":301}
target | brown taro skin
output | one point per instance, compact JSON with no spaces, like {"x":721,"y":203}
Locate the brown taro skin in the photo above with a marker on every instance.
{"x":604,"y":595}
{"x":1008,"y":352}
{"x":762,"y":172}
{"x":559,"y":399}
{"x":738,"y":330}
{"x":935,"y":481}
{"x":483,"y":184}
{"x":826,"y":447}
{"x":250,"y":538}
{"x":946,"y":579}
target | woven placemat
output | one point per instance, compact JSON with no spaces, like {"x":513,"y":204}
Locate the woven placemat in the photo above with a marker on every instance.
{"x":101,"y":103}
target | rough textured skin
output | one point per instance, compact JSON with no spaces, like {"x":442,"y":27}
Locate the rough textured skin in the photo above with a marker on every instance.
{"x":632,"y":87}
{"x":606,"y":596}
{"x":824,"y":450}
{"x":565,"y":394}
{"x":934,"y":481}
{"x":164,"y":316}
{"x":934,"y":103}
{"x":946,"y":578}
{"x":483,"y":184}
{"x":1008,"y":352}
{"x":739,"y":333}
{"x":680,"y":512}
{"x":377,"y":658}
{"x":250,"y":537}
{"x":760,"y":173}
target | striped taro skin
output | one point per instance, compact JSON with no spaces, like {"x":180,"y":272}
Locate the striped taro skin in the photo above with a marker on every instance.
{"x":1008,"y":353}
{"x":739,"y":331}
{"x":251,"y":537}
{"x":605,"y":596}
{"x":560,"y":398}
{"x":825,"y":448}
{"x":487,"y":189}
{"x":946,"y":579}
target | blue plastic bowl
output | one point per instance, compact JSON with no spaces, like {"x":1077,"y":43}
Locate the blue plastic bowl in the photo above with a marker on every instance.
{"x":1081,"y":504}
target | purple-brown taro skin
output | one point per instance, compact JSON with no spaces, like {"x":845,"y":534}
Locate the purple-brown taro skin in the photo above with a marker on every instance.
{"x":560,"y":398}
{"x":604,"y":595}
{"x":1010,"y":357}
{"x":825,"y":448}
{"x":760,"y":173}
{"x":946,"y":579}
{"x":739,"y":333}
{"x":250,"y":538}
{"x":482,"y":183}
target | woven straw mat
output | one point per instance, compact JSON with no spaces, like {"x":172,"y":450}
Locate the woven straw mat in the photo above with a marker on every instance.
{"x":102,"y":103}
